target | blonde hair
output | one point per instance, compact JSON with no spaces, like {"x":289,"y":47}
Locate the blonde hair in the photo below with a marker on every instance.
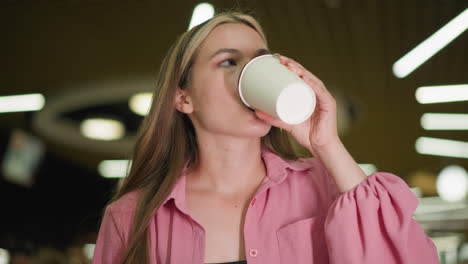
{"x":157,"y":164}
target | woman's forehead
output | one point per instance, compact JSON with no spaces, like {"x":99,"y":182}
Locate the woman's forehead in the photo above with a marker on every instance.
{"x":231,"y":36}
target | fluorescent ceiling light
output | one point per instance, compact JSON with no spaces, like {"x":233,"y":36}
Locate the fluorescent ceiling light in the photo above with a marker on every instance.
{"x":439,"y":121}
{"x":452,"y":183}
{"x":201,"y":13}
{"x":442,"y":94}
{"x":417,"y":191}
{"x":448,"y":243}
{"x":88,"y":250}
{"x":140,"y":103}
{"x":21,"y":103}
{"x":442,"y":147}
{"x":4,"y":256}
{"x":426,"y":49}
{"x":427,"y":206}
{"x":102,"y":129}
{"x":368,"y":168}
{"x":113,"y":168}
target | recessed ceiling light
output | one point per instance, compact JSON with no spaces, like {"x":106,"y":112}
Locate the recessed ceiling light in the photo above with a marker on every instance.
{"x":113,"y":168}
{"x":140,"y":103}
{"x":21,"y":103}
{"x":102,"y":129}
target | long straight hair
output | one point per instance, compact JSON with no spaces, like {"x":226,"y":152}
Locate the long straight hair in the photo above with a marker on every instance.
{"x":166,"y":138}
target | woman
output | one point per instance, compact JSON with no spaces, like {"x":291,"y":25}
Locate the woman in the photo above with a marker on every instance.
{"x":213,"y":182}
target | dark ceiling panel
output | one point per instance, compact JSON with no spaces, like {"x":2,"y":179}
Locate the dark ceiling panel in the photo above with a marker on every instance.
{"x":55,"y":46}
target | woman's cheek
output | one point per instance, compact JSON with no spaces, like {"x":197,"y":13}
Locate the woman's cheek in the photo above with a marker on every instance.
{"x":231,"y":78}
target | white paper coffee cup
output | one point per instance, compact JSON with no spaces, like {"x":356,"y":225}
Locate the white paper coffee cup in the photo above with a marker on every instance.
{"x":269,"y":86}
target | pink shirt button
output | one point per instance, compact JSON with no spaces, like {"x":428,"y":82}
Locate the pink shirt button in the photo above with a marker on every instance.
{"x":253,"y":201}
{"x":253,"y":253}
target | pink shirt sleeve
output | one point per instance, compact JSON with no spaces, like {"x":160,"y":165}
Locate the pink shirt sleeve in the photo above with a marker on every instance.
{"x":109,"y":243}
{"x":373,"y":223}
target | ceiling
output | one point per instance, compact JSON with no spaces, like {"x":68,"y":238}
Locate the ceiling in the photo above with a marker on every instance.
{"x":62,"y":48}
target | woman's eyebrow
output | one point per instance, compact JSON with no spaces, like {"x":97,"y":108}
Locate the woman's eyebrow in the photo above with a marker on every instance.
{"x":225,"y":50}
{"x":236,"y":51}
{"x":262,"y":52}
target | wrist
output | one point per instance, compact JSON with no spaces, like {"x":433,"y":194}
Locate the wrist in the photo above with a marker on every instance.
{"x":327,"y":148}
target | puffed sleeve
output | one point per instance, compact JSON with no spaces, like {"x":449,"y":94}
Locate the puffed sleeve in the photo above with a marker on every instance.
{"x":373,"y":223}
{"x":109,"y":243}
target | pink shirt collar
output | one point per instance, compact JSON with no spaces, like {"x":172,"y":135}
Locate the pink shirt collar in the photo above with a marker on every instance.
{"x":277,"y":171}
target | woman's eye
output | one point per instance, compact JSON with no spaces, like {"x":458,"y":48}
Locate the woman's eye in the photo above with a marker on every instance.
{"x":228,"y":62}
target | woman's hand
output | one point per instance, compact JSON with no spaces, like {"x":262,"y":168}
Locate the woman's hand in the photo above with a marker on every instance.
{"x":320,"y":130}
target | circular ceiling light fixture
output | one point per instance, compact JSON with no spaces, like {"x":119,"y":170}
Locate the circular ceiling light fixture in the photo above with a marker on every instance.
{"x":49,"y":123}
{"x":452,"y":183}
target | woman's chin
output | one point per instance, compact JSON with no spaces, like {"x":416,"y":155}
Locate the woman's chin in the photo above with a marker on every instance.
{"x":253,"y":126}
{"x":258,"y":127}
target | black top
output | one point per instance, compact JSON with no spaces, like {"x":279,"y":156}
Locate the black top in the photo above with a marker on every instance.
{"x":235,"y":262}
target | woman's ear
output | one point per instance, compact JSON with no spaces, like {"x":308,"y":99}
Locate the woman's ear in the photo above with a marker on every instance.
{"x":182,"y":101}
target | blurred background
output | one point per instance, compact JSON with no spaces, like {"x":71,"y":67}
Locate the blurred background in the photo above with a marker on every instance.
{"x":78,"y":76}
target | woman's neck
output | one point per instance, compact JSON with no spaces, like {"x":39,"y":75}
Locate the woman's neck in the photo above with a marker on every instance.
{"x":228,"y":168}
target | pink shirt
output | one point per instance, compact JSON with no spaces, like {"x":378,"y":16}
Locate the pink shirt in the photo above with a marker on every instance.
{"x":297,"y":216}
